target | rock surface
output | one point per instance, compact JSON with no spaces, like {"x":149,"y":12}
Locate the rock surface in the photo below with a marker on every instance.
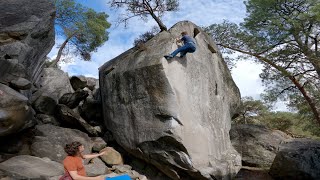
{"x":78,"y":82}
{"x":15,"y":113}
{"x":31,"y":167}
{"x":175,"y":114}
{"x":53,"y":83}
{"x":26,"y":34}
{"x":50,"y":141}
{"x":257,"y":145}
{"x":297,"y":159}
{"x":111,"y":157}
{"x":72,"y":100}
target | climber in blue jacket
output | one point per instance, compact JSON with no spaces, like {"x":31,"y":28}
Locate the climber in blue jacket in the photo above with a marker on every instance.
{"x":189,"y":46}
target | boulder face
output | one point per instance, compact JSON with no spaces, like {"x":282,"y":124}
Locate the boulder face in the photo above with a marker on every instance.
{"x":297,"y":159}
{"x":175,"y":114}
{"x":50,"y":141}
{"x":15,"y":113}
{"x":26,"y":35}
{"x":54,"y":83}
{"x":257,"y":144}
{"x":31,"y":167}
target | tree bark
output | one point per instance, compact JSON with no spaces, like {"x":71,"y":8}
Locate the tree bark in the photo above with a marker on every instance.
{"x":63,"y":45}
{"x":159,"y":22}
{"x":287,"y":74}
{"x":307,"y":98}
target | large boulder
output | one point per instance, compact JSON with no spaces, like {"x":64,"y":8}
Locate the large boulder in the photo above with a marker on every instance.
{"x":15,"y":112}
{"x":297,"y":159}
{"x":257,"y":144}
{"x":174,"y":114}
{"x":27,"y":35}
{"x":30,"y":167}
{"x":50,"y":141}
{"x":54,"y":83}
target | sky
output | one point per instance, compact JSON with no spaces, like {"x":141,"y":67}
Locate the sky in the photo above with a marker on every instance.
{"x":201,"y":12}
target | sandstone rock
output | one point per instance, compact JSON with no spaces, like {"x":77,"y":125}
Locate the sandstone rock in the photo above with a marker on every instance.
{"x":121,"y":168}
{"x":20,"y":83}
{"x":92,"y":83}
{"x":96,"y":167}
{"x":297,"y":159}
{"x":47,"y":119}
{"x":15,"y":113}
{"x":257,"y":144}
{"x":91,"y":111}
{"x":11,"y":69}
{"x":53,"y":83}
{"x":45,"y":105}
{"x":175,"y":114}
{"x":26,"y":34}
{"x":98,"y":144}
{"x":78,"y":82}
{"x":111,"y":157}
{"x":31,"y":167}
{"x":72,"y":100}
{"x":50,"y":141}
{"x":73,"y":119}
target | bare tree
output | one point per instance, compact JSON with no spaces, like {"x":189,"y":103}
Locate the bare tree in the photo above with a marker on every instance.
{"x":143,"y":8}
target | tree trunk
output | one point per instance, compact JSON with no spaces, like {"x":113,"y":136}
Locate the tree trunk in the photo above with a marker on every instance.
{"x":287,"y":74}
{"x":63,"y":45}
{"x":307,"y":98}
{"x":160,"y":23}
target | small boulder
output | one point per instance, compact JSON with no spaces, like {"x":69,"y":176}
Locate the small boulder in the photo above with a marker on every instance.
{"x":20,"y":83}
{"x":78,"y":82}
{"x":111,"y":157}
{"x":72,"y":100}
{"x":92,"y":83}
{"x":98,"y":144}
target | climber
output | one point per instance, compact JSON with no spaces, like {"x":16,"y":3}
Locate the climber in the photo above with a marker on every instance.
{"x":189,"y":45}
{"x":73,"y":164}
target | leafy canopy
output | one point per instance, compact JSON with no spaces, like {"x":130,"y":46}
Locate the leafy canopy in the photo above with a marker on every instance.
{"x":284,"y":36}
{"x":145,"y":8}
{"x":83,"y":28}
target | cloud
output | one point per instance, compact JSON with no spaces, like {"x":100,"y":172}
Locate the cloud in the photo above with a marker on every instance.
{"x":246,"y":76}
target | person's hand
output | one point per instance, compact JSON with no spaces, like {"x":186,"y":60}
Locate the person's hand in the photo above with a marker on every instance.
{"x":102,"y":153}
{"x":102,"y":177}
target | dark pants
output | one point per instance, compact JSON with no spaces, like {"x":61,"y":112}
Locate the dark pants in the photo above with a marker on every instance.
{"x":183,"y":50}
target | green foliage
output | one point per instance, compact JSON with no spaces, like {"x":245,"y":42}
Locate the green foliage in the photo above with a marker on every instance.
{"x":259,"y":112}
{"x":251,"y":109}
{"x":284,"y":36}
{"x":83,"y":28}
{"x":278,"y":120}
